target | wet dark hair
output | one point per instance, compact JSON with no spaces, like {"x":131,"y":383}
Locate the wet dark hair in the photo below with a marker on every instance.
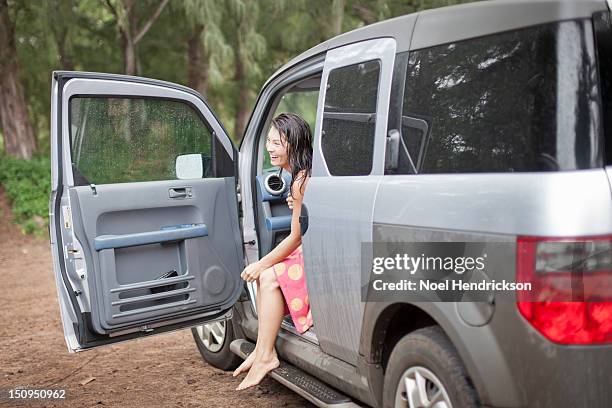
{"x":296,"y":133}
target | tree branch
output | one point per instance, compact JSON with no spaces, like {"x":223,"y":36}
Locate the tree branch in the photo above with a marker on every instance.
{"x":112,"y":9}
{"x":365,"y":14}
{"x":150,"y":21}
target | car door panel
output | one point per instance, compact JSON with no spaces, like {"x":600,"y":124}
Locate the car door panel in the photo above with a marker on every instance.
{"x":340,"y":209}
{"x":146,"y":256}
{"x":124,"y":226}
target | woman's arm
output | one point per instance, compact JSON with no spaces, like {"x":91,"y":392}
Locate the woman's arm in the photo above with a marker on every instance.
{"x":287,"y":245}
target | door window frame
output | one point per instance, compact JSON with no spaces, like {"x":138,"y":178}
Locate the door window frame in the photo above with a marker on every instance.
{"x":96,"y":87}
{"x":248,"y":148}
{"x":383,"y":50}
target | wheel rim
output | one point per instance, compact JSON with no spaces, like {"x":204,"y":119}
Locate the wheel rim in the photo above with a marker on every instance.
{"x":420,"y":388}
{"x":212,"y":335}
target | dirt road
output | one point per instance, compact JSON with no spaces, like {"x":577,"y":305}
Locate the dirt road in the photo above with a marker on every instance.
{"x":159,"y":371}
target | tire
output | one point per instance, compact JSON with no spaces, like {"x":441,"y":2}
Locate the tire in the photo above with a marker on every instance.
{"x":427,"y":356}
{"x":214,"y":344}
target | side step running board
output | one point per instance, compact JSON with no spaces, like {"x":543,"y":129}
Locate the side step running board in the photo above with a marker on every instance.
{"x":298,"y":381}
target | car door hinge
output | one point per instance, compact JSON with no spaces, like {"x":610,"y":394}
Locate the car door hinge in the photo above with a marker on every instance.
{"x":93,"y":189}
{"x":146,"y":329}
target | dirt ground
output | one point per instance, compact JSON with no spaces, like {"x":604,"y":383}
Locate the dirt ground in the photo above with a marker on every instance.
{"x":159,"y":371}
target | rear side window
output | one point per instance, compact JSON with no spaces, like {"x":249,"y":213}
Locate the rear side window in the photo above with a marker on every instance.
{"x":119,"y":140}
{"x":603,"y":34}
{"x":526,"y":100}
{"x":349,"y":119}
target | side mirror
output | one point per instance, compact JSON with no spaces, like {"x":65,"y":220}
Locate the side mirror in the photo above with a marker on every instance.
{"x":189,"y":166}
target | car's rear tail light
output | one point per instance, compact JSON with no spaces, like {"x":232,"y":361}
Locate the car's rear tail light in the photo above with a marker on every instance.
{"x":571,"y":278}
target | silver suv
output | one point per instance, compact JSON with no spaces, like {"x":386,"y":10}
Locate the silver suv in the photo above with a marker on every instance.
{"x":486,"y":122}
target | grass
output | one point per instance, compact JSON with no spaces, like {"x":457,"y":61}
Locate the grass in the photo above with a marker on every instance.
{"x":27,"y":184}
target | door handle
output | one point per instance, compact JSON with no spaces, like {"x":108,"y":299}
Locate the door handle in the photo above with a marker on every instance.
{"x":181,"y":192}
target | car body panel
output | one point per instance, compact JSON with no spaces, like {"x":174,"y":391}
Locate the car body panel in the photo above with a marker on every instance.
{"x":340,"y":215}
{"x":500,"y":203}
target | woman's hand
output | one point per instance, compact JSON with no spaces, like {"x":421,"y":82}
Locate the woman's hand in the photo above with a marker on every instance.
{"x":290,"y":202}
{"x":252,"y":271}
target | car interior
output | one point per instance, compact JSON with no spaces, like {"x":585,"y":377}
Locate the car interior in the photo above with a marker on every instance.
{"x":272,"y":214}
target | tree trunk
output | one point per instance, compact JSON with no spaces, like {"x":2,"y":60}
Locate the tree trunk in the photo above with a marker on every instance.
{"x":368,"y":16}
{"x":129,"y":55}
{"x":19,"y":140}
{"x":337,"y":16}
{"x":65,"y":57}
{"x":61,"y":19}
{"x":132,"y":34}
{"x":242,"y":105}
{"x":129,"y":45}
{"x":197,"y":61}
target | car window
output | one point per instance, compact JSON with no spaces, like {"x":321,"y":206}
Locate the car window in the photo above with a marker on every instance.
{"x":524,"y":100}
{"x":349,"y":119}
{"x":119,"y":140}
{"x":603,"y":31}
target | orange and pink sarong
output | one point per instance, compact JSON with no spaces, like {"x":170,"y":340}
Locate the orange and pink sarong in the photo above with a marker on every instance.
{"x":292,"y":281}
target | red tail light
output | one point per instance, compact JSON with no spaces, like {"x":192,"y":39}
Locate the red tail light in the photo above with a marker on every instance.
{"x":571,"y":278}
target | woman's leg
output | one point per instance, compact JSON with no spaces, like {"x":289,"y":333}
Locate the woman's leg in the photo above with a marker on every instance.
{"x":248,"y":362}
{"x":270,"y":317}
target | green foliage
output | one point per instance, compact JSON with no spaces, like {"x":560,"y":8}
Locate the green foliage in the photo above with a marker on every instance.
{"x":27,"y":184}
{"x":84,"y":35}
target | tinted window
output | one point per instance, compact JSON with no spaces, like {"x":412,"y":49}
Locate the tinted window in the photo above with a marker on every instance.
{"x":349,"y":119}
{"x":603,"y":30}
{"x":118,"y":140}
{"x":525,"y":100}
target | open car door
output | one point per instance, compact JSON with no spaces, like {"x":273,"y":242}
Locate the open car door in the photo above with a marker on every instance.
{"x":143,"y":210}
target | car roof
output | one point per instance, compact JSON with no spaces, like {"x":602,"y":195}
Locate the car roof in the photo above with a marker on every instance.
{"x":453,"y":23}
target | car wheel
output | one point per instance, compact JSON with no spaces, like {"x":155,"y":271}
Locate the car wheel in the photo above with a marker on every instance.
{"x":424,"y":370}
{"x":213,"y":341}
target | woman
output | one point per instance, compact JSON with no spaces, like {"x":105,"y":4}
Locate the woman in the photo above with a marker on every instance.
{"x":280,"y":274}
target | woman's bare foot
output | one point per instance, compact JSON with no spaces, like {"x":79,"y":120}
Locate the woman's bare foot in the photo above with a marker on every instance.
{"x":261,"y":367}
{"x":246,"y":364}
